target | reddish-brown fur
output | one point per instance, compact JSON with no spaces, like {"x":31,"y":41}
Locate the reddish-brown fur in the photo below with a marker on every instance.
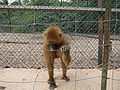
{"x":55,"y":35}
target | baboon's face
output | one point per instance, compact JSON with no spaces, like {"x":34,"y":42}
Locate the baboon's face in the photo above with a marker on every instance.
{"x":54,"y":38}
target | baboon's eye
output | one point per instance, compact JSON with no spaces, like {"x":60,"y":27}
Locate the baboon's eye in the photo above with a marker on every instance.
{"x":60,"y":34}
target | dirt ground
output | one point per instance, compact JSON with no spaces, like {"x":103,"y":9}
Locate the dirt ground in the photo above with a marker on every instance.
{"x":80,"y":79}
{"x":25,"y":50}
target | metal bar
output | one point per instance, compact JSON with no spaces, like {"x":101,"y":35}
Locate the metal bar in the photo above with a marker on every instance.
{"x":106,"y":45}
{"x":100,"y":36}
{"x":56,"y":8}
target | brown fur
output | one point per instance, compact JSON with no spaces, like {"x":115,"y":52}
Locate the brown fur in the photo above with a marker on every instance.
{"x":55,"y":35}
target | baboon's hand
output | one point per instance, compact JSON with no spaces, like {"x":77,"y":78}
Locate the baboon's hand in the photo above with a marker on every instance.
{"x":65,"y":49}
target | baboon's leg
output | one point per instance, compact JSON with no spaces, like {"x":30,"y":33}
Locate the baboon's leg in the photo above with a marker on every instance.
{"x":65,"y":60}
{"x":50,"y":66}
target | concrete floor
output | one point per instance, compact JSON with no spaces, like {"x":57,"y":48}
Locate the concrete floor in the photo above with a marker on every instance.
{"x":80,"y":79}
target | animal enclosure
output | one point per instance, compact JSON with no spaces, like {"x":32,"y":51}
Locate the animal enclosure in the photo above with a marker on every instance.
{"x":21,"y":33}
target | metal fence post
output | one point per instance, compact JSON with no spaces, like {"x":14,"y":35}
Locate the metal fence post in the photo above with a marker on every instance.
{"x":106,"y":45}
{"x":100,"y":35}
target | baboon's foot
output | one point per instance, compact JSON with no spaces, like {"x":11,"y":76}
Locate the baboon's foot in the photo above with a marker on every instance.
{"x":51,"y":81}
{"x":52,"y":86}
{"x":65,"y":78}
{"x":2,"y":87}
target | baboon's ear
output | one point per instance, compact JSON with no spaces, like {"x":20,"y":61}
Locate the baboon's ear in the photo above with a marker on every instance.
{"x":60,"y":34}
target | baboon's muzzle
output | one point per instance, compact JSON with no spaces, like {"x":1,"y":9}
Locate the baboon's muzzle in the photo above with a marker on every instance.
{"x":53,"y":47}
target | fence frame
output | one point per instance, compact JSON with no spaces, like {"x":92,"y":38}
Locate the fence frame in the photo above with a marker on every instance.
{"x":106,"y":45}
{"x":100,"y":36}
{"x":56,"y":8}
{"x":107,"y":12}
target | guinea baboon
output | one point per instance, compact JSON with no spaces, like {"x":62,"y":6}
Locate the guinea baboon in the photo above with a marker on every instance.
{"x":56,"y":45}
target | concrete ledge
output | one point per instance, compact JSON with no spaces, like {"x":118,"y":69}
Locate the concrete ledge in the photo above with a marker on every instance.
{"x":80,"y":79}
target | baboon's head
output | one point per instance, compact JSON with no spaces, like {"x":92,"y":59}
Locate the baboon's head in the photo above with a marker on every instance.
{"x":53,"y":37}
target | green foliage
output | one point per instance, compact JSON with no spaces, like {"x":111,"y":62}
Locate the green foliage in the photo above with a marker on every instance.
{"x":45,"y":2}
{"x":22,"y":21}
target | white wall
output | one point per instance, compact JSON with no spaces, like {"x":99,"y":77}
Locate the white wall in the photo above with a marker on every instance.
{"x":11,"y":1}
{"x":1,"y":1}
{"x":65,"y":0}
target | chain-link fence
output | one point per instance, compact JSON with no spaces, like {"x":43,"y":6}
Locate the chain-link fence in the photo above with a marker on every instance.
{"x":21,"y":30}
{"x":86,"y":23}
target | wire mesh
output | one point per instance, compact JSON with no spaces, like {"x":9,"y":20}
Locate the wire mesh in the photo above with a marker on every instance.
{"x":21,"y":33}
